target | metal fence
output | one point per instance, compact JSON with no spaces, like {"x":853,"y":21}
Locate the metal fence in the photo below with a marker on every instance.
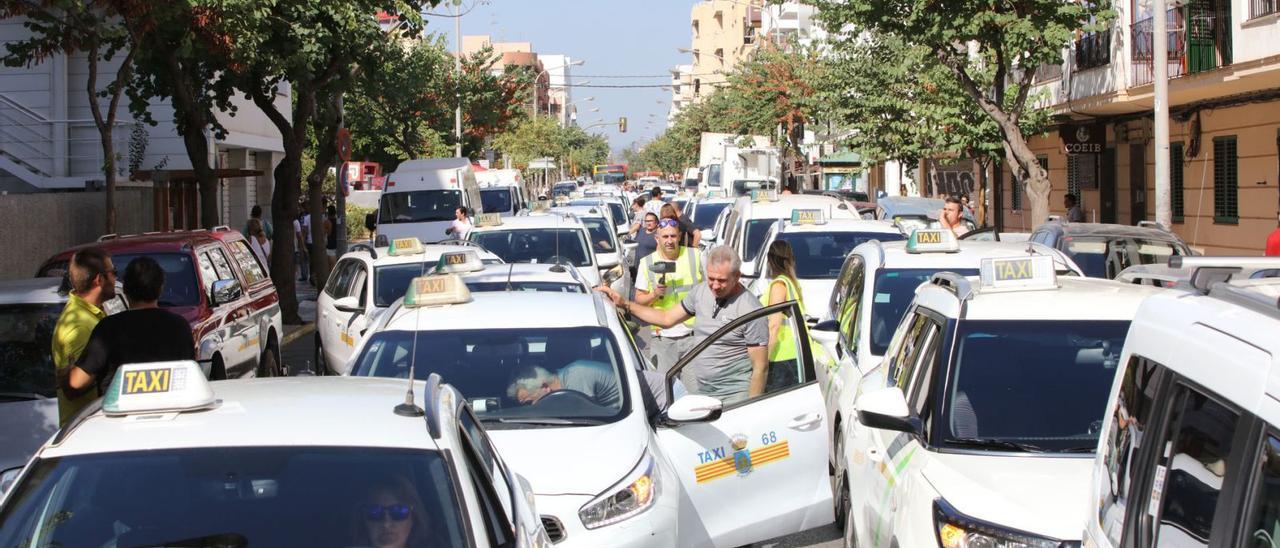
{"x":1093,"y":50}
{"x":1258,"y":8}
{"x":1200,"y":39}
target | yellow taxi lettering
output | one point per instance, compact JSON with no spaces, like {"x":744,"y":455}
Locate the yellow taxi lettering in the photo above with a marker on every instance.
{"x":929,"y":237}
{"x":146,"y":381}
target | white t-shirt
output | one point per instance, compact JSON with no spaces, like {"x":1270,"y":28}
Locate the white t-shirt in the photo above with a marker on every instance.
{"x":262,"y":249}
{"x":459,"y":229}
{"x":306,"y":227}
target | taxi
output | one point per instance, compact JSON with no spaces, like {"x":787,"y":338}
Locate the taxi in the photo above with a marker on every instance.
{"x":752,"y":216}
{"x":820,"y":246}
{"x":979,"y":426}
{"x":604,"y":238}
{"x":1190,"y":448}
{"x":703,"y":212}
{"x":164,"y":459}
{"x":568,"y":400}
{"x":363,"y":283}
{"x":536,"y":236}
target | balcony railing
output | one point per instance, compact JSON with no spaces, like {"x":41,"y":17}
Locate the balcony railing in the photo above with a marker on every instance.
{"x":1199,"y":40}
{"x":1258,"y":8}
{"x":1093,"y":50}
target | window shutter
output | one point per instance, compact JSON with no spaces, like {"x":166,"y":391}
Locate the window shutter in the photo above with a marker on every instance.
{"x":1226,"y":205}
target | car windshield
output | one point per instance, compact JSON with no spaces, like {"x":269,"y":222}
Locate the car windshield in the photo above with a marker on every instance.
{"x":820,"y":255}
{"x":563,"y":189}
{"x":180,"y":287}
{"x":1033,"y":385}
{"x":894,"y":290}
{"x":517,"y":285}
{"x":601,"y":234}
{"x":757,"y":229}
{"x":419,"y":206}
{"x":704,"y":215}
{"x":234,"y":497}
{"x":512,"y":376}
{"x":495,"y":200}
{"x":537,"y":245}
{"x":1101,"y":257}
{"x":26,"y":365}
{"x":390,"y":282}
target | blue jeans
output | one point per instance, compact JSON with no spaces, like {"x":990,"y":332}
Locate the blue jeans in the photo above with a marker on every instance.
{"x":301,"y":260}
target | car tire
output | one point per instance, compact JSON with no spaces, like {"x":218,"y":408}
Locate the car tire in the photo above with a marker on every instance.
{"x":841,"y":484}
{"x":321,"y":368}
{"x":217,"y":370}
{"x":844,"y":513}
{"x":269,"y":362}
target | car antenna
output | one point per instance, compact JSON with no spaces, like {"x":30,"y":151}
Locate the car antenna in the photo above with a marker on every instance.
{"x":555,"y":267}
{"x":510,"y":270}
{"x":409,"y":408}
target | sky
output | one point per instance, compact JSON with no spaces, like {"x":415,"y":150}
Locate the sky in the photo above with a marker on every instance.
{"x":614,"y":37}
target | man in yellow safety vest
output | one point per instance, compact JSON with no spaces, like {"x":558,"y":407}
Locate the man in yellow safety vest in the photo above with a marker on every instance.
{"x":664,"y":291}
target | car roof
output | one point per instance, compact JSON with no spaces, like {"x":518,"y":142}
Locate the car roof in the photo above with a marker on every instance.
{"x":581,"y":210}
{"x":524,"y":272}
{"x":1074,"y":298}
{"x":843,"y":225}
{"x":784,"y":204}
{"x":293,"y":411}
{"x":534,"y":220}
{"x":154,"y":242}
{"x":1112,"y":230}
{"x":430,"y":252}
{"x":504,"y":310}
{"x":705,"y":201}
{"x":431,"y":164}
{"x":31,"y":291}
{"x":970,"y":254}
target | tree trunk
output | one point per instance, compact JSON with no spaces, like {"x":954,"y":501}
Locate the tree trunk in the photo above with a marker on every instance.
{"x":195,"y":120}
{"x":106,"y":124}
{"x":982,"y":191}
{"x":284,"y":205}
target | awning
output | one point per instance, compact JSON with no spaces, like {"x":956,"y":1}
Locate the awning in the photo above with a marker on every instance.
{"x":189,"y":175}
{"x":849,"y":158}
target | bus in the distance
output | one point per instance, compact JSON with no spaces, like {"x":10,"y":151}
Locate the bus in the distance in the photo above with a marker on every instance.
{"x":609,"y":173}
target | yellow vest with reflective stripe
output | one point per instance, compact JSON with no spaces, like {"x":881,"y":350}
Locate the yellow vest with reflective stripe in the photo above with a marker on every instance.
{"x":688,"y":274}
{"x":786,"y":347}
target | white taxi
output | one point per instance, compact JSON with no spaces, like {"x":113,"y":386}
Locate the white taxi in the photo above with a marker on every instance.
{"x":1190,"y":447}
{"x":165,"y":460}
{"x":752,"y":216}
{"x":558,"y":382}
{"x":820,"y":246}
{"x":979,"y":426}
{"x":704,"y":212}
{"x":604,"y":238}
{"x":363,"y":283}
{"x":540,"y":237}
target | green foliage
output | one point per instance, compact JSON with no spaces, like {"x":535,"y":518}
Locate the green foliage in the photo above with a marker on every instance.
{"x":355,"y":222}
{"x":541,"y":136}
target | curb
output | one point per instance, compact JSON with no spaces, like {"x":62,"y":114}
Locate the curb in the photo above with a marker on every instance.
{"x":302,"y":331}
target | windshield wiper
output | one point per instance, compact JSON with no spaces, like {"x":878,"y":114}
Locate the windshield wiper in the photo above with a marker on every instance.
{"x":996,"y":444}
{"x":21,"y":396}
{"x":544,"y":421}
{"x":221,"y":540}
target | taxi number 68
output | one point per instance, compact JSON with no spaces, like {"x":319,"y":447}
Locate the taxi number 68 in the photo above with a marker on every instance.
{"x":766,"y":439}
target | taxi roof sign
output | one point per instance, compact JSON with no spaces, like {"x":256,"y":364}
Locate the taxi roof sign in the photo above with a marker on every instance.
{"x":405,"y":246}
{"x":764,"y":195}
{"x":457,"y":262}
{"x":488,"y":219}
{"x":932,"y":240}
{"x":158,"y":387}
{"x":540,"y":205}
{"x":808,"y":217}
{"x":436,"y":290}
{"x":1018,"y":273}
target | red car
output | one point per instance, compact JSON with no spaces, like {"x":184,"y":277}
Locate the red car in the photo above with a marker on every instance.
{"x":214,"y":280}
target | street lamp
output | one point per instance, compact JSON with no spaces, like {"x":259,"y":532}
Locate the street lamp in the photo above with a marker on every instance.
{"x":577,"y":63}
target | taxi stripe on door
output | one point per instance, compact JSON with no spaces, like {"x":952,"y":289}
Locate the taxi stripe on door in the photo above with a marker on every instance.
{"x":759,"y":457}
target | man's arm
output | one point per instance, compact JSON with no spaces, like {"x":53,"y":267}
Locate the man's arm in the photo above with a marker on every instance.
{"x":759,"y":369}
{"x":645,"y":293}
{"x":79,"y":378}
{"x":661,"y":318}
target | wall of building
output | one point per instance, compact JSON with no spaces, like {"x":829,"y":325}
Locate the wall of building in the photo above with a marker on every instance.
{"x":39,"y":225}
{"x":723,"y":34}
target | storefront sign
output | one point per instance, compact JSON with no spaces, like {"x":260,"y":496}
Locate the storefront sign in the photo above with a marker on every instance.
{"x":1083,"y":138}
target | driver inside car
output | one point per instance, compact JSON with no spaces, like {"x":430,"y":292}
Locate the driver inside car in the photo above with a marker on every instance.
{"x":595,"y":380}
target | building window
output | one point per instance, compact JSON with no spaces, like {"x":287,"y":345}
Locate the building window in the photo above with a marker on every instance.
{"x":1226,"y":200}
{"x":1175,"y":180}
{"x":1073,"y":175}
{"x":1258,"y":8}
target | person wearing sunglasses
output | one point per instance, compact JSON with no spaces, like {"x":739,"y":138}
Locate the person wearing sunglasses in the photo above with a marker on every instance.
{"x":391,"y":515}
{"x":93,"y":282}
{"x":690,"y":236}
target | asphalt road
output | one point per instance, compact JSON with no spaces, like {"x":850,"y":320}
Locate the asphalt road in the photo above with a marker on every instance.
{"x":298,"y":355}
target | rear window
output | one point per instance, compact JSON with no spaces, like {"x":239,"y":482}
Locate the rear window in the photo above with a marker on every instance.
{"x":419,"y":206}
{"x":180,"y":285}
{"x":495,"y":200}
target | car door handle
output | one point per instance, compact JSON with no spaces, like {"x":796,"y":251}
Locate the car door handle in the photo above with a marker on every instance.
{"x":805,"y":422}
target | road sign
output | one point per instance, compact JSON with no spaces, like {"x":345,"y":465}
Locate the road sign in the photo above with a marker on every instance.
{"x":343,"y":142}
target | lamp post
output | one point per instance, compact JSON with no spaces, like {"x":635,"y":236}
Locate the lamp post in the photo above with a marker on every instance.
{"x":577,"y":63}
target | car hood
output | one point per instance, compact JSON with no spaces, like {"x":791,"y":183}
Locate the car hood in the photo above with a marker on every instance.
{"x":24,"y":427}
{"x":1037,"y":494}
{"x":598,"y":456}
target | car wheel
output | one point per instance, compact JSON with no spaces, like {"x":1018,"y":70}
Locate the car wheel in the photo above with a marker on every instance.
{"x":321,"y":368}
{"x":269,"y":363}
{"x":844,"y":513}
{"x":218,"y":370}
{"x":841,"y":486}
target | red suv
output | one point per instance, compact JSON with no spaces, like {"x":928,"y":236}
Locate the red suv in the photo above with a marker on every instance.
{"x":213,"y":279}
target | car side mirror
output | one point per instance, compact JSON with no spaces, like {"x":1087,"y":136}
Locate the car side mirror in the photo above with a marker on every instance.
{"x":827,"y":325}
{"x":225,"y":291}
{"x":349,"y":304}
{"x":371,"y":221}
{"x":694,"y":408}
{"x":887,"y":409}
{"x":749,"y":270}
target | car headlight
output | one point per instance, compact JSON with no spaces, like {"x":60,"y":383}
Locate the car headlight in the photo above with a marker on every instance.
{"x":956,"y":530}
{"x":7,"y":478}
{"x":633,"y":495}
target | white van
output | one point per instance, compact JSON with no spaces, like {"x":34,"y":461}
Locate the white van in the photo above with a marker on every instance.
{"x":502,"y":192}
{"x":421,"y":196}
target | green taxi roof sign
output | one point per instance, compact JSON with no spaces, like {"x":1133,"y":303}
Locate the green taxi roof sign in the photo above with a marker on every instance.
{"x":932,"y":240}
{"x":808,"y":217}
{"x":436,"y":290}
{"x":405,"y":246}
{"x":1018,"y":273}
{"x":458,"y":262}
{"x":158,"y":387}
{"x":488,"y":219}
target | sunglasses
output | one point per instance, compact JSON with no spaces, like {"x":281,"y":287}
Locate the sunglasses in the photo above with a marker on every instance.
{"x":667,"y":223}
{"x":397,"y":512}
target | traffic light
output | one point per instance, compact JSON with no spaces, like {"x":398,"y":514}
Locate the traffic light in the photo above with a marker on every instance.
{"x":622,"y":124}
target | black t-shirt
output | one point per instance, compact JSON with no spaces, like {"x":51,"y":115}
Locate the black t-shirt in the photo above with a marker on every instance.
{"x":135,"y":336}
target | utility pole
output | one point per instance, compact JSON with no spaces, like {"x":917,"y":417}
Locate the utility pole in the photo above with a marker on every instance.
{"x":457,"y":68}
{"x":341,"y":202}
{"x":1160,"y":45}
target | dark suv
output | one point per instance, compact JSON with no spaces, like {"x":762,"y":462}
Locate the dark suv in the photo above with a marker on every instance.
{"x":1103,"y":250}
{"x":213,"y":279}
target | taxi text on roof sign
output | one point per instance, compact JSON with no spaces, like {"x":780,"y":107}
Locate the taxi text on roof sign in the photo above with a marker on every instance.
{"x":157,"y":387}
{"x":932,"y":241}
{"x":764,"y":195}
{"x":456,"y":262}
{"x":1030,"y":272}
{"x":437,"y":290}
{"x":405,"y":246}
{"x":807,"y":217}
{"x":488,"y":219}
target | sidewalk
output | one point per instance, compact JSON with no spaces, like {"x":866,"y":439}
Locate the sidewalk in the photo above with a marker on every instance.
{"x":307,"y":309}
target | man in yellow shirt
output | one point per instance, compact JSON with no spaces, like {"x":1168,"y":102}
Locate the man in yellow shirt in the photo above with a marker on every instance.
{"x":93,"y":282}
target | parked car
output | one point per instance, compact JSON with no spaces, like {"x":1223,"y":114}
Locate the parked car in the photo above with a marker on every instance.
{"x":216,"y":282}
{"x":1103,"y":250}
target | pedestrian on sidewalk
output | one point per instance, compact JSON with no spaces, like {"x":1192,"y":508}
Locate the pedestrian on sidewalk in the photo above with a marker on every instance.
{"x":301,"y":249}
{"x":260,"y":243}
{"x":255,"y":213}
{"x":144,"y":333}
{"x":93,"y":282}
{"x":331,"y":235}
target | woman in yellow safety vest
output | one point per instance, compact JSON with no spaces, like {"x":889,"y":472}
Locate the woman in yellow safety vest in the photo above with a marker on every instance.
{"x":783,"y":352}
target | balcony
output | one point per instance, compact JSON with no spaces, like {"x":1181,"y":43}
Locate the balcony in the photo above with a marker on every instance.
{"x":1093,"y":50}
{"x":1199,"y":40}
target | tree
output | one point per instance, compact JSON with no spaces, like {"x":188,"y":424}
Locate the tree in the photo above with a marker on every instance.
{"x":96,"y":30}
{"x":992,"y":51}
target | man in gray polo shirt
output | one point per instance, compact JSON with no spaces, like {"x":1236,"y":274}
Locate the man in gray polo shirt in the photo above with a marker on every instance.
{"x":734,"y":367}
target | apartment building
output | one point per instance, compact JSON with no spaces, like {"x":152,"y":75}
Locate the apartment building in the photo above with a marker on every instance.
{"x":1224,"y":105}
{"x":681,"y":91}
{"x":559,"y":103}
{"x":519,"y":55}
{"x":723,"y":33}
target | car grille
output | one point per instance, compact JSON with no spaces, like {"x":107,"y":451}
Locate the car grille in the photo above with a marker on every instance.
{"x":555,"y":529}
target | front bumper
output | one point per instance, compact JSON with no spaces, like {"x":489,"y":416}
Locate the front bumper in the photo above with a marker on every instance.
{"x":656,"y":527}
